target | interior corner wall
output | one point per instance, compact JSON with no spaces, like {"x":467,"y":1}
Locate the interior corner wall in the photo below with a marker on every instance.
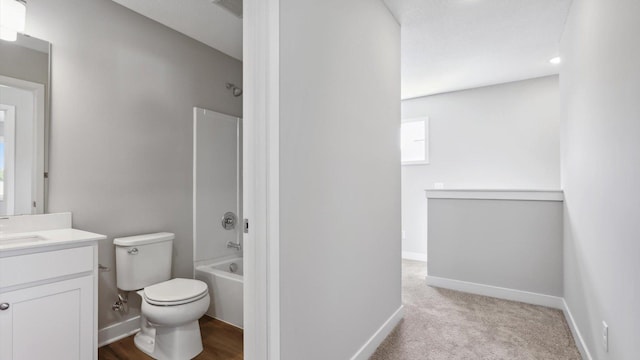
{"x":504,"y":136}
{"x":340,"y":269}
{"x":600,"y":87}
{"x":123,"y":92}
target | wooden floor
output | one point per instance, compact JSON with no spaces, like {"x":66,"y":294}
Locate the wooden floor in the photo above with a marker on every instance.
{"x":220,"y":340}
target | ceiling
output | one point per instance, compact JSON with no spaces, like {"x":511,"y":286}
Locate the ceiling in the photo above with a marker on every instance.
{"x":447,"y":45}
{"x":450,"y":45}
{"x":200,"y":19}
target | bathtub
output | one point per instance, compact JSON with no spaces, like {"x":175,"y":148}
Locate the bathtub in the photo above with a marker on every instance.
{"x":224,"y":279}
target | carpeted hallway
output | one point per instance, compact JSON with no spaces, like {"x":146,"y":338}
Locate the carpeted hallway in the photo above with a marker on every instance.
{"x":448,"y":325}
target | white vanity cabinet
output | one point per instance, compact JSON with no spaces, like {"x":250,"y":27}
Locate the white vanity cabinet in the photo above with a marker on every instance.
{"x":48,"y":298}
{"x":51,"y":321}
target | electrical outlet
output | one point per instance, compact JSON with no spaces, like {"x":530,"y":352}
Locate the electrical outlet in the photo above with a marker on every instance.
{"x":605,"y":336}
{"x":404,"y":235}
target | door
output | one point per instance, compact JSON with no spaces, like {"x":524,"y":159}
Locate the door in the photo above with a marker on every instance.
{"x":53,"y":321}
{"x":216,"y":187}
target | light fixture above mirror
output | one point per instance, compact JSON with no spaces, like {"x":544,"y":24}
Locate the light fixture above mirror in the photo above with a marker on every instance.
{"x":12,"y":18}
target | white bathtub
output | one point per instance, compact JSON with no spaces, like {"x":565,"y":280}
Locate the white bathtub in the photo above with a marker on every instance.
{"x":225,"y":290}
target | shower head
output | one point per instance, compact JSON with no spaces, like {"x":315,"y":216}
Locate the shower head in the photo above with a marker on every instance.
{"x":236,"y":91}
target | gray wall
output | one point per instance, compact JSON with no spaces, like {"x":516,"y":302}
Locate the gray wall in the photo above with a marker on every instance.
{"x":600,"y":87}
{"x":497,"y":137}
{"x":339,"y":175}
{"x":24,"y":63}
{"x":122,"y":126}
{"x":505,"y":243}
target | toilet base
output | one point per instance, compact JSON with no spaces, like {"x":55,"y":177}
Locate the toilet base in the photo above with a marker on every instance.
{"x":170,"y":343}
{"x":144,"y":343}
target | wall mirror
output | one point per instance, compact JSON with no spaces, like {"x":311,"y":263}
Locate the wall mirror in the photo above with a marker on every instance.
{"x":25,"y":80}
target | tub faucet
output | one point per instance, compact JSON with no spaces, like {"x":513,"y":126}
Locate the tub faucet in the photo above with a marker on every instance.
{"x":235,"y":245}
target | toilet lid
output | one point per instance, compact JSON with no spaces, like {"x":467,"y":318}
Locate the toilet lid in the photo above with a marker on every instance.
{"x":175,"y":291}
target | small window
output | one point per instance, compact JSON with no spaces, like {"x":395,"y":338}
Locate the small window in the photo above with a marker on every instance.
{"x":414,"y":141}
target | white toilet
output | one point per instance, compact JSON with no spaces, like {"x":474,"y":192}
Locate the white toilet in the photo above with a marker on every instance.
{"x":169,"y":328}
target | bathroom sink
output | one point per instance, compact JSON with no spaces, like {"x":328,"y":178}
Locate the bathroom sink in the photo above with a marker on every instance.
{"x":20,"y":239}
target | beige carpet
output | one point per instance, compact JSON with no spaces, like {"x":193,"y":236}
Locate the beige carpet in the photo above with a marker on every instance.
{"x":448,"y":325}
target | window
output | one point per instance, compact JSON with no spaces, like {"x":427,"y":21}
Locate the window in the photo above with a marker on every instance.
{"x":414,"y":145}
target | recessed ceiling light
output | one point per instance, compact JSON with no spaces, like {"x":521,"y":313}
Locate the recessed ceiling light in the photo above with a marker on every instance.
{"x":556,"y":60}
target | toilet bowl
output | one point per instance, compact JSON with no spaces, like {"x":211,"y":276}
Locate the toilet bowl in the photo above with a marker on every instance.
{"x":170,"y":311}
{"x":170,"y":308}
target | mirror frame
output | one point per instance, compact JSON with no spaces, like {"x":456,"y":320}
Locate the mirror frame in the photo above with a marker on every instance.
{"x":40,"y":191}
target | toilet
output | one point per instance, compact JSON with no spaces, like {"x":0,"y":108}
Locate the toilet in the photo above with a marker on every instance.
{"x":170,"y":310}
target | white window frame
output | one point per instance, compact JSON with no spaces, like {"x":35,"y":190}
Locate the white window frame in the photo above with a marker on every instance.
{"x":424,"y":119}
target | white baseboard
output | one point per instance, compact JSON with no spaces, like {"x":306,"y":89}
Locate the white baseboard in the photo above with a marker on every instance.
{"x":577,"y":337}
{"x":115,"y":332}
{"x":497,"y":292}
{"x":372,"y":344}
{"x":414,"y":256}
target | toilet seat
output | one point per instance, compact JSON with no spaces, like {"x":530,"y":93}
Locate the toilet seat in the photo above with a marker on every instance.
{"x":175,"y":292}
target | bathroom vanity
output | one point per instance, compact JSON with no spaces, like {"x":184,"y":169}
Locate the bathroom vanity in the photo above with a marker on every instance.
{"x":48,"y":288}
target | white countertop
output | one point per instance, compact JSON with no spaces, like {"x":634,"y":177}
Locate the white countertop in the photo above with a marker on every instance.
{"x":496,"y":194}
{"x":45,"y":238}
{"x":30,"y":232}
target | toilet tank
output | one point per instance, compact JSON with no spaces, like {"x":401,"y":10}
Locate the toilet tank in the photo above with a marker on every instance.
{"x":143,"y":260}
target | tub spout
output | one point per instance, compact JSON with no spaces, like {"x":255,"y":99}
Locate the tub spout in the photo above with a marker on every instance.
{"x":235,"y":245}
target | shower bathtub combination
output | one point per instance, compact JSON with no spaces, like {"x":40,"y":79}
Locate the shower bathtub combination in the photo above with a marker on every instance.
{"x":225,"y":282}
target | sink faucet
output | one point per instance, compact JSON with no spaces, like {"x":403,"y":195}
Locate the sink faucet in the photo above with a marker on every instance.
{"x":235,"y":245}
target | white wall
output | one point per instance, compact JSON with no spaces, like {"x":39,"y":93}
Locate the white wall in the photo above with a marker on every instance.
{"x":339,"y":175}
{"x":123,"y":91}
{"x":496,"y":137}
{"x":600,"y":87}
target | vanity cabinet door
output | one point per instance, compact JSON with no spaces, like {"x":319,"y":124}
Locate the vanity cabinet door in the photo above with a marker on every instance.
{"x":52,"y":321}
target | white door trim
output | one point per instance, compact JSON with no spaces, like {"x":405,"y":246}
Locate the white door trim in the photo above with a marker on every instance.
{"x":261,"y":179}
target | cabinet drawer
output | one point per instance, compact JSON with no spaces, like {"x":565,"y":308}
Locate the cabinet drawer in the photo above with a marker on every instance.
{"x":21,"y":269}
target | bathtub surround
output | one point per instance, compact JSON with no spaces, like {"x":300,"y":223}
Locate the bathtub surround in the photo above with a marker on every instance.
{"x":496,"y":137}
{"x":121,"y":139}
{"x":217,"y":185}
{"x":217,"y":192}
{"x":600,"y":88}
